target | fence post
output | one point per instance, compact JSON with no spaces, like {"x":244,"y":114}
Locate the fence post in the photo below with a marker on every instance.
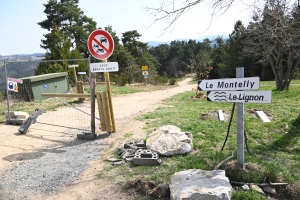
{"x":107,"y":112}
{"x":101,"y":110}
{"x":107,"y":81}
{"x":7,"y":96}
{"x":80,"y":90}
{"x":92,"y":98}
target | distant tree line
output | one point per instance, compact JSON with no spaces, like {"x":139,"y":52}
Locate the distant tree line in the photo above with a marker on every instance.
{"x":269,"y":47}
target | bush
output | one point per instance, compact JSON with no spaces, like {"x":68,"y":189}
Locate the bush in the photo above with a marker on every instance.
{"x":160,"y":80}
{"x":172,"y":81}
{"x":120,"y":80}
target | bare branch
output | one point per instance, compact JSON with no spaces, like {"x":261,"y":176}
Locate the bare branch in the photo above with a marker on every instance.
{"x":171,"y":10}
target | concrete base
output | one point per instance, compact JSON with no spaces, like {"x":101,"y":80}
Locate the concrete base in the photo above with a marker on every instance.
{"x":87,"y":136}
{"x":145,"y":157}
{"x":15,"y":121}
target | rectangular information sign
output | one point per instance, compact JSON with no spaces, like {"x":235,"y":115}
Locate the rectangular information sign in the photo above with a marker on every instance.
{"x":104,"y":67}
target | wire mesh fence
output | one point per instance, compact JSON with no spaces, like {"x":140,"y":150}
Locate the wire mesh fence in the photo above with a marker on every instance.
{"x":69,"y":115}
{"x":62,"y":112}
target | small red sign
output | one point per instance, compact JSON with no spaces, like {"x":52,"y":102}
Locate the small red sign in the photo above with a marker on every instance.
{"x":100,"y":44}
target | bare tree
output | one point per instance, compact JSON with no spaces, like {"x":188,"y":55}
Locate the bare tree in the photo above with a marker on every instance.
{"x":171,"y":10}
{"x":173,"y":68}
{"x":273,"y":38}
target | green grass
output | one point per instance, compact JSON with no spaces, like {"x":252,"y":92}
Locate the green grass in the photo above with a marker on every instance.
{"x":247,"y":195}
{"x":275,"y":145}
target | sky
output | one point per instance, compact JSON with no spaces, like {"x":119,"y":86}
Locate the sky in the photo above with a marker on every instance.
{"x":20,"y":33}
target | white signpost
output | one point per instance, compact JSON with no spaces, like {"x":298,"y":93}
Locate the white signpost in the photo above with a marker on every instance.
{"x":251,"y":83}
{"x":230,"y":90}
{"x":241,"y":96}
{"x":104,"y":67}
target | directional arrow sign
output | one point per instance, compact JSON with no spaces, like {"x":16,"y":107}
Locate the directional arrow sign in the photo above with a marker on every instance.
{"x":241,"y":96}
{"x":104,"y":67}
{"x":251,"y":83}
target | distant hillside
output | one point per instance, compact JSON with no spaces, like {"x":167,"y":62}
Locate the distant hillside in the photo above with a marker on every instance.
{"x":22,"y":56}
{"x":200,"y":39}
{"x":18,"y":67}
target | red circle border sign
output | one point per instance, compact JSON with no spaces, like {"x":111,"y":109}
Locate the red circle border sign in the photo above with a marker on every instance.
{"x":110,"y":41}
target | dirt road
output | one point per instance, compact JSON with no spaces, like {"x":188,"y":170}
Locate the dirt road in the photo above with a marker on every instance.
{"x":42,"y":140}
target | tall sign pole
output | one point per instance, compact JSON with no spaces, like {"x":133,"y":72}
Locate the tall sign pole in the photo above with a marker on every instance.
{"x":240,"y":124}
{"x":7,"y":96}
{"x":92,"y":99}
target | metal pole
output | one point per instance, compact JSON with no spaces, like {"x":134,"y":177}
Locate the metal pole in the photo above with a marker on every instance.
{"x":240,"y":124}
{"x":8,"y":107}
{"x":92,"y":99}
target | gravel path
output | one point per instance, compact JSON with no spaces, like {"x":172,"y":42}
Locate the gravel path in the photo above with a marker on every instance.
{"x":49,"y":171}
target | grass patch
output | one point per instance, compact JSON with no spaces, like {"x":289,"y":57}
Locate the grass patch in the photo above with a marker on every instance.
{"x":274,"y":145}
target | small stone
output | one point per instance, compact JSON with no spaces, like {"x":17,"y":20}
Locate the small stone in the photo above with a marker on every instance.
{"x":114,"y":159}
{"x":269,"y":189}
{"x":119,"y":162}
{"x":245,"y":187}
{"x":257,"y":189}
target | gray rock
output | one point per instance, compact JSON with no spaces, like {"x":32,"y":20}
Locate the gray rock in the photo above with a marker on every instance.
{"x":169,"y":140}
{"x":114,"y":159}
{"x":121,"y":162}
{"x":269,"y":189}
{"x":257,"y":189}
{"x":196,"y":184}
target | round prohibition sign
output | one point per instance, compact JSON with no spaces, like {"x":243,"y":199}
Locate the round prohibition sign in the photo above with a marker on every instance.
{"x":100,"y":44}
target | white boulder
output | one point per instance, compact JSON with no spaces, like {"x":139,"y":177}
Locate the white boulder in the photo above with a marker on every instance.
{"x":169,"y":140}
{"x":196,"y":184}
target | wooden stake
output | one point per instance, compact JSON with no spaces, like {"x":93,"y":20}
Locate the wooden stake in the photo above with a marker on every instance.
{"x":107,"y":81}
{"x":101,"y":111}
{"x":107,"y":113}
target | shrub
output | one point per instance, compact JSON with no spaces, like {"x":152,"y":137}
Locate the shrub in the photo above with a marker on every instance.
{"x":119,"y":79}
{"x":160,"y":80}
{"x":172,"y":81}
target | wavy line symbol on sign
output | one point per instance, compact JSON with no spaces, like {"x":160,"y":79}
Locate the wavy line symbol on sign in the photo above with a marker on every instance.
{"x":220,"y":96}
